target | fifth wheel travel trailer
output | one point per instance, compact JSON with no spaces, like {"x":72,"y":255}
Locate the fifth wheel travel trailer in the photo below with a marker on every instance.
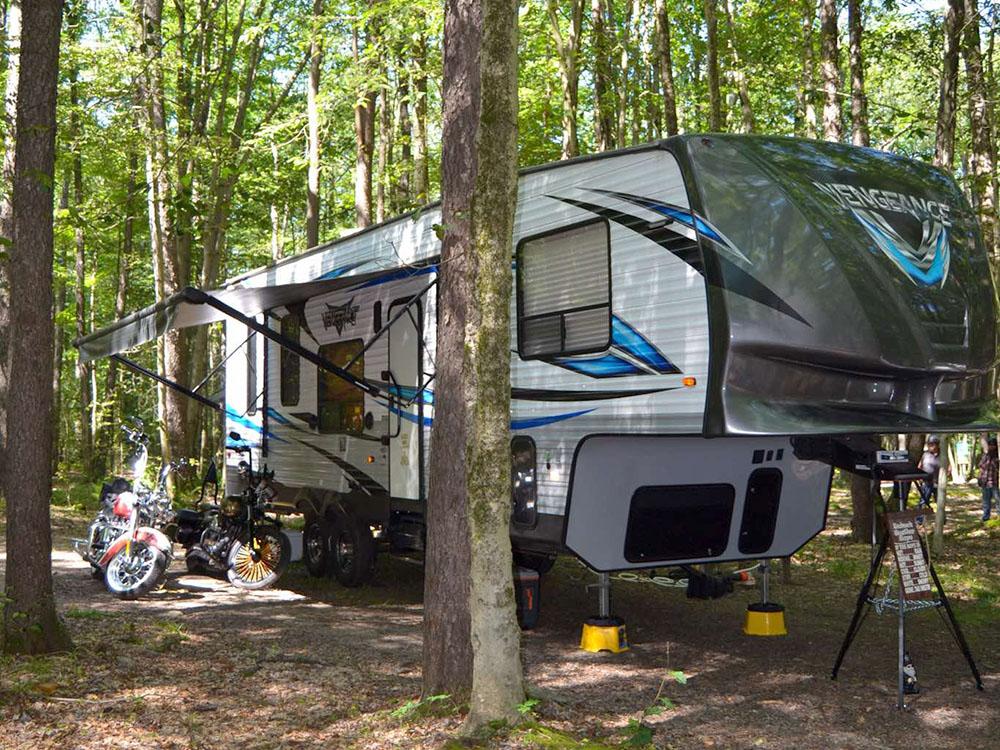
{"x":696,"y":325}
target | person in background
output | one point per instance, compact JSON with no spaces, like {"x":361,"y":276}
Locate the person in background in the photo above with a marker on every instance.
{"x":930,"y":463}
{"x":989,"y":467}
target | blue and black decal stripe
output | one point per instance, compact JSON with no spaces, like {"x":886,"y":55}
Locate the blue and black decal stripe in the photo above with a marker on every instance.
{"x":542,"y":394}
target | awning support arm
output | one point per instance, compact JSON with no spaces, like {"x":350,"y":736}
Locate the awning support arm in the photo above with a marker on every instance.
{"x":219,"y":366}
{"x":403,"y":311}
{"x":168,"y":382}
{"x":197,"y":296}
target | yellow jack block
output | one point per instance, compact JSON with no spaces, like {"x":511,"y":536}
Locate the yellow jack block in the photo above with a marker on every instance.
{"x":604,"y":634}
{"x":765,"y":618}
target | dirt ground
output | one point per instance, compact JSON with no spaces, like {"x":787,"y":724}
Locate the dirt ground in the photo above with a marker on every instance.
{"x":310,"y":664}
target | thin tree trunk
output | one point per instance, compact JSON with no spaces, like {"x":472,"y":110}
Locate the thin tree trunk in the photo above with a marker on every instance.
{"x":714,"y":94}
{"x":739,"y":74}
{"x":497,"y":686}
{"x":384,"y":152}
{"x":859,"y":102}
{"x":624,"y":66}
{"x":447,"y":666}
{"x":830,"y":70}
{"x":603,"y":111}
{"x":277,"y":238}
{"x":940,"y":510}
{"x":805,"y":111}
{"x":59,"y":343}
{"x":401,"y":193}
{"x":312,"y":115}
{"x":981,"y":157}
{"x":567,"y":53}
{"x":30,"y":622}
{"x":666,"y":68}
{"x":944,"y":138}
{"x":364,"y":144}
{"x":421,"y":176}
{"x":13,"y":34}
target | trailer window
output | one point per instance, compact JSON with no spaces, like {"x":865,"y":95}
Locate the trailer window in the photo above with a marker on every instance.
{"x":760,"y":511}
{"x":564,"y":291}
{"x":290,"y":362}
{"x":679,"y":522}
{"x":524,"y":491}
{"x":340,"y":405}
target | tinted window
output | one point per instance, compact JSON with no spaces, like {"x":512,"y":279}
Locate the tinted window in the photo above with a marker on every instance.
{"x":290,"y":362}
{"x":679,"y":522}
{"x":760,"y":511}
{"x":340,"y":405}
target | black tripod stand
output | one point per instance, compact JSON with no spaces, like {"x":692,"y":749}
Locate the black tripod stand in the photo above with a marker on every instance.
{"x":867,"y":599}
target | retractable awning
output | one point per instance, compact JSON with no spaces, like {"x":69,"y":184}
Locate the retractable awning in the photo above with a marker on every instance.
{"x":192,"y":307}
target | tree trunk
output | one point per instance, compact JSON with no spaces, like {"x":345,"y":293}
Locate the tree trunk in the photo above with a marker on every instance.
{"x":567,"y":53}
{"x":981,"y":155}
{"x":714,"y":94}
{"x":30,"y":622}
{"x":859,"y":102}
{"x":384,"y":152}
{"x":624,"y":44}
{"x":830,"y":70}
{"x":863,"y":492}
{"x":277,"y":229}
{"x":666,"y":68}
{"x":944,"y":139}
{"x":805,"y":111}
{"x":421,"y":176}
{"x":13,"y":39}
{"x":447,"y":664}
{"x":364,"y":143}
{"x":401,"y":192}
{"x":603,"y":110}
{"x":739,"y":74}
{"x":940,"y":509}
{"x":312,"y":115}
{"x":497,"y":687}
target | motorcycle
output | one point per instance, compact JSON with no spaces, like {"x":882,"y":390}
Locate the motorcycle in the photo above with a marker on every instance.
{"x":124,"y":545}
{"x":237,"y":537}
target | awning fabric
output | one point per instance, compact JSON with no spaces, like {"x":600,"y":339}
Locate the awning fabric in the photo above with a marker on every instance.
{"x":192,"y":307}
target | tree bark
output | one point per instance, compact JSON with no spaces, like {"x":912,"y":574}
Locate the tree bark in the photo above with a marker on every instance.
{"x":421,"y":176}
{"x":863,"y":493}
{"x":859,"y":102}
{"x":981,"y":157}
{"x":940,"y":509}
{"x":666,"y":68}
{"x":604,"y":117}
{"x":739,"y":74}
{"x":364,"y":143}
{"x":497,"y":686}
{"x":13,"y":38}
{"x":312,"y":115}
{"x":30,"y":622}
{"x":944,"y":138}
{"x":624,"y":45}
{"x":805,"y":111}
{"x":447,"y":664}
{"x":384,"y":152}
{"x":401,"y":192}
{"x":830,"y":70}
{"x":567,"y":53}
{"x":714,"y":94}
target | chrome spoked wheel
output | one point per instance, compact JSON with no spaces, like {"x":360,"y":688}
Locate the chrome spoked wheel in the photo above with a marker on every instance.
{"x":258,"y":562}
{"x":136,"y":570}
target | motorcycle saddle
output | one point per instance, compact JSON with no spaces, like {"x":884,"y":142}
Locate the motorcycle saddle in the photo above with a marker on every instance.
{"x":187,"y":516}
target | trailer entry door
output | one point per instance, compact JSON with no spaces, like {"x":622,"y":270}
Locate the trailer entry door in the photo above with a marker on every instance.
{"x":404,"y":422}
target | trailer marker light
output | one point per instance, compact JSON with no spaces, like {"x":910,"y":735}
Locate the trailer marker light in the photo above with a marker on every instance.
{"x":370,"y":459}
{"x":690,"y":382}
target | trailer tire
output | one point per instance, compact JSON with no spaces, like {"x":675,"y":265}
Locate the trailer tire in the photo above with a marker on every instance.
{"x":316,"y":547}
{"x":352,"y":550}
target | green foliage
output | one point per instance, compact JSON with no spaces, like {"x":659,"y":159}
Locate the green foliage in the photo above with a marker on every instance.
{"x":439,"y":705}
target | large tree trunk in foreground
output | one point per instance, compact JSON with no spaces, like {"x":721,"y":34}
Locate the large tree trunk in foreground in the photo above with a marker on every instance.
{"x":944,"y":139}
{"x":859,"y":103}
{"x":447,"y":629}
{"x":497,"y":687}
{"x":830,"y":70}
{"x":30,"y":623}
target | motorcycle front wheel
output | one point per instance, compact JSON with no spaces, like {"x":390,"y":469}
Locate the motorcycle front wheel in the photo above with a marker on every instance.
{"x":136,"y":570}
{"x":257,"y":563}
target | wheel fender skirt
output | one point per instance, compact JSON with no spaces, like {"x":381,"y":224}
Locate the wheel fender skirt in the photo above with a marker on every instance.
{"x":147,"y":534}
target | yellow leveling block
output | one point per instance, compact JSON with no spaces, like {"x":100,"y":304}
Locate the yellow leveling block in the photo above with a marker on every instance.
{"x":765,"y":618}
{"x":604,"y":634}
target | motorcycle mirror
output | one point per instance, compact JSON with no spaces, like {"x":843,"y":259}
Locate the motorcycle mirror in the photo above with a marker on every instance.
{"x":138,"y":422}
{"x":234,"y":435}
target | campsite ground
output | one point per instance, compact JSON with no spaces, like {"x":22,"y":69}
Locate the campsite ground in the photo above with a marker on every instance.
{"x":313,"y":665}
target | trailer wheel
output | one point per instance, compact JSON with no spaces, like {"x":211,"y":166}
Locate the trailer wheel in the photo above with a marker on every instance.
{"x":316,"y":547}
{"x":352,"y":551}
{"x":537,"y":561}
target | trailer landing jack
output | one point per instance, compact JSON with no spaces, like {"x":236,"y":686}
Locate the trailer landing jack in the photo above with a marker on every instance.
{"x":765,"y":617}
{"x":604,"y":632}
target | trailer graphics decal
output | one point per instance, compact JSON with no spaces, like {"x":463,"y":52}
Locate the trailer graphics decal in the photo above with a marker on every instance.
{"x":879,"y":211}
{"x":631,"y":354}
{"x":340,"y":316}
{"x":678,"y":232}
